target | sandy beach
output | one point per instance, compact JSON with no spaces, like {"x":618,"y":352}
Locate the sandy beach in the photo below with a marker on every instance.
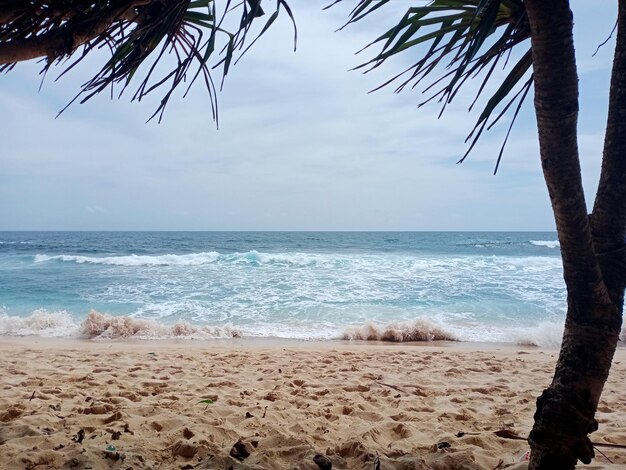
{"x":246,"y":404}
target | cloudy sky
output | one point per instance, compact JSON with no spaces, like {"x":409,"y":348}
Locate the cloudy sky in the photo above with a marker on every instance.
{"x":301,"y":145}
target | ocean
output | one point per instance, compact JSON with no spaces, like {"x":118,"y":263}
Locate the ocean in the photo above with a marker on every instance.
{"x":400,"y":286}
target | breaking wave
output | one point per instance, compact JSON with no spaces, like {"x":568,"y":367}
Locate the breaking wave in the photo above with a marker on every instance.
{"x":546,"y":243}
{"x":103,"y":326}
{"x":545,"y":335}
{"x":39,"y":323}
{"x":419,"y":330}
{"x":194,"y":259}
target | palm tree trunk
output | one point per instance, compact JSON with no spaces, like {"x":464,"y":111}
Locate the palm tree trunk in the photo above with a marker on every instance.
{"x":608,"y":221}
{"x":565,"y":411}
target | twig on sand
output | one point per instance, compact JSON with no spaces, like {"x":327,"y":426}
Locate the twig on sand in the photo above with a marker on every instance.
{"x":614,"y":446}
{"x":603,"y":454}
{"x":418,"y":390}
{"x":507,"y":434}
{"x":391,"y":386}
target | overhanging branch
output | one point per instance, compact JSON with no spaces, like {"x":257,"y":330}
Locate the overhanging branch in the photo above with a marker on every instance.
{"x":63,"y":41}
{"x":139,"y":34}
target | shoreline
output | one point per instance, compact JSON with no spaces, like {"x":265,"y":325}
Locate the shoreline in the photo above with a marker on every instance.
{"x":256,"y":343}
{"x":188,"y":404}
{"x":104,"y":326}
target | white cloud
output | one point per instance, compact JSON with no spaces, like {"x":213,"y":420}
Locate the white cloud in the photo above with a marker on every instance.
{"x":301,"y":145}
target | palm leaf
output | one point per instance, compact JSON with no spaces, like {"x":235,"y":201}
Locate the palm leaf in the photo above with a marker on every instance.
{"x":139,"y":34}
{"x":457,"y":41}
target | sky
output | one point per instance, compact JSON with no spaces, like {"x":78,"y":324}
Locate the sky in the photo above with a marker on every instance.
{"x":301,"y":144}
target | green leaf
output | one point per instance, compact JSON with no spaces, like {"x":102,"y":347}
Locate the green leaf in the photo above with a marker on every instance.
{"x":454,"y":42}
{"x":189,"y":32}
{"x":196,"y":15}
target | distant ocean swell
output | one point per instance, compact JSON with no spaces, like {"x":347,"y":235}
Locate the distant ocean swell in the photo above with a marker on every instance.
{"x":546,"y":243}
{"x":100,"y":326}
{"x":196,"y":259}
{"x":254,"y":257}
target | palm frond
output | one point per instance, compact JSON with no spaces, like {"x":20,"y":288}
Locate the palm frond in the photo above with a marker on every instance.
{"x":139,"y":34}
{"x":457,"y":41}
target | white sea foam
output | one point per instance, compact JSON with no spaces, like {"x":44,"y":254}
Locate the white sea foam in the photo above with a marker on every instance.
{"x":39,"y":323}
{"x":100,"y":326}
{"x":399,"y":332}
{"x":548,"y":335}
{"x":194,"y":259}
{"x":103,"y":326}
{"x":545,"y":335}
{"x":546,"y":243}
{"x":306,"y":332}
{"x":395,"y":266}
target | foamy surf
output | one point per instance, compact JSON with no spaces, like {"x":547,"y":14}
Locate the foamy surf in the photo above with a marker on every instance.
{"x":106,"y":327}
{"x":252,"y":257}
{"x":194,"y":259}
{"x":39,"y":323}
{"x":399,"y":332}
{"x":546,"y":243}
{"x":103,"y":326}
{"x":546,"y":335}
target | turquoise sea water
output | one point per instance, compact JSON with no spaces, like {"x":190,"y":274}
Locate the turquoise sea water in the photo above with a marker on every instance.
{"x":473,"y":286}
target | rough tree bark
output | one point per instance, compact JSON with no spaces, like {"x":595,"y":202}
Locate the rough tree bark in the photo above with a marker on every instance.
{"x":565,"y":411}
{"x":608,"y":220}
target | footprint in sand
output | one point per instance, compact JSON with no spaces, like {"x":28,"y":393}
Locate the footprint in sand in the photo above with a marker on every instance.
{"x":356,"y":388}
